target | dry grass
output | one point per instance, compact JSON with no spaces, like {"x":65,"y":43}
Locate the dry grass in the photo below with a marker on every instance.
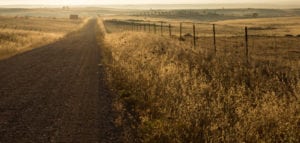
{"x":19,"y":34}
{"x":273,"y":43}
{"x":170,"y":92}
{"x":271,"y":26}
{"x":281,"y":26}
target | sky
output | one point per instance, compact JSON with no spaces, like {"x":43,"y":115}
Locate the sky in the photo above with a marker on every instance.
{"x":107,"y":2}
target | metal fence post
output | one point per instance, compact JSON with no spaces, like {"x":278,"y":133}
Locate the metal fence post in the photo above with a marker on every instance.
{"x":214,"y":38}
{"x":194,"y":35}
{"x":161,"y":28}
{"x":180,"y":31}
{"x":170,"y":30}
{"x":246,"y":44}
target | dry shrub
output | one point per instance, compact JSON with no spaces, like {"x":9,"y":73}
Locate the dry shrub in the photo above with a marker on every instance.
{"x":169,"y":92}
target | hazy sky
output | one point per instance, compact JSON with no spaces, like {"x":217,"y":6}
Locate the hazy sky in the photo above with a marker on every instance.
{"x":88,"y":2}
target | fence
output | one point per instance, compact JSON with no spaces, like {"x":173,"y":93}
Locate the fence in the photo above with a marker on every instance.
{"x":220,"y":38}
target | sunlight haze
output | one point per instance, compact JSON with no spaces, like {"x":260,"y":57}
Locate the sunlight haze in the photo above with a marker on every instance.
{"x":118,"y":2}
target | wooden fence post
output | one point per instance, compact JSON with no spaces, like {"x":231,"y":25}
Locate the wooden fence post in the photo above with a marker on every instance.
{"x":194,"y":34}
{"x":170,"y":30}
{"x":214,"y":38}
{"x":246,"y":44}
{"x":149,"y":27}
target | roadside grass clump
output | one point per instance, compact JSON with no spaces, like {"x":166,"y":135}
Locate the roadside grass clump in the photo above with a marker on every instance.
{"x":170,"y":92}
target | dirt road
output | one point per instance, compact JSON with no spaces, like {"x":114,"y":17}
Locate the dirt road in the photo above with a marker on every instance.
{"x":51,"y":94}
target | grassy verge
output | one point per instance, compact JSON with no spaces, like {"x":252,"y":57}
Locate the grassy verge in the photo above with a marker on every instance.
{"x":169,"y":92}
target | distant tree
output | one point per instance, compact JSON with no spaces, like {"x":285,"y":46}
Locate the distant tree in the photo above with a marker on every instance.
{"x":255,"y":15}
{"x":65,"y":8}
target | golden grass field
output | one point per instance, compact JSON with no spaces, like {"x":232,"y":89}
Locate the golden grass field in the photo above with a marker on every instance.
{"x":279,"y":26}
{"x":170,"y":91}
{"x":18,"y":34}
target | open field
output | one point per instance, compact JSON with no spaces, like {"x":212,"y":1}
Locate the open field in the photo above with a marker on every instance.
{"x":208,"y":15}
{"x":131,"y":75}
{"x":267,"y":38}
{"x":216,"y":14}
{"x":18,"y":34}
{"x":259,"y":26}
{"x":171,"y":91}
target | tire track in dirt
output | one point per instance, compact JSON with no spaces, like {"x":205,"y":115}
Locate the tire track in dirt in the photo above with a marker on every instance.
{"x":51,"y":94}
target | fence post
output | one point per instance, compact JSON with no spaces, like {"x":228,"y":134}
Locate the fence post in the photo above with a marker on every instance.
{"x":246,"y":44}
{"x":170,"y":30}
{"x":154,"y":28}
{"x":180,"y":31}
{"x":194,"y":34}
{"x":144,"y":27}
{"x":214,"y":36}
{"x":132,"y":27}
{"x":149,"y":27}
{"x":161,"y":28}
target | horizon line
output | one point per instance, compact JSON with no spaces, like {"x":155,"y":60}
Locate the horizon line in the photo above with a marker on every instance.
{"x":228,"y":3}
